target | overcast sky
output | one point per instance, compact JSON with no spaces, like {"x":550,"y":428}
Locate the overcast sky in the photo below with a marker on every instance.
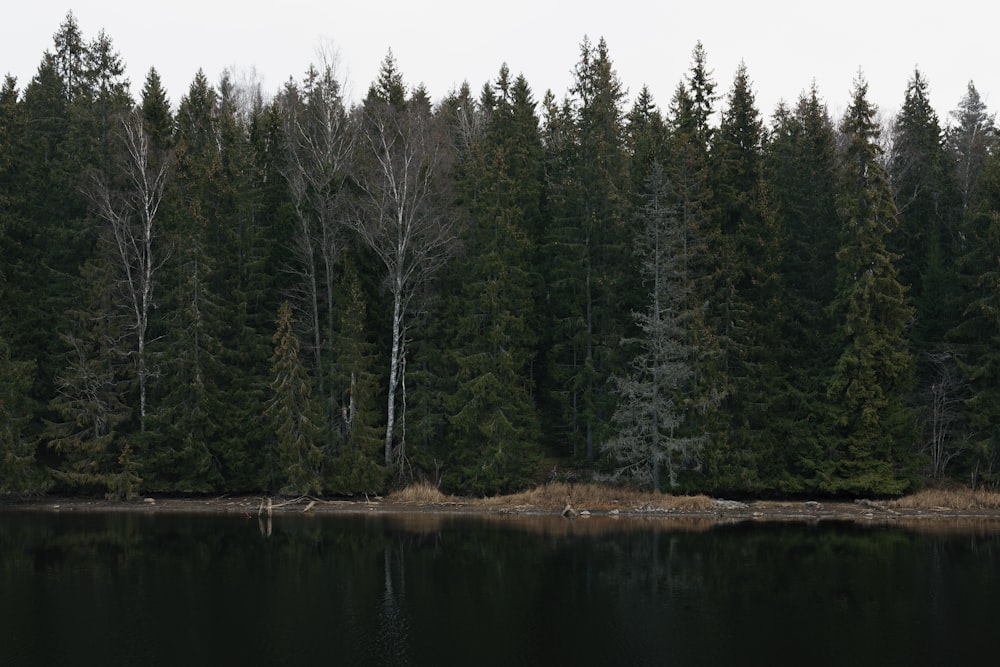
{"x":786,"y":44}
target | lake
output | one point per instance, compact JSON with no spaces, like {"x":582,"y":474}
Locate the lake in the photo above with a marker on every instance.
{"x":172,"y":589}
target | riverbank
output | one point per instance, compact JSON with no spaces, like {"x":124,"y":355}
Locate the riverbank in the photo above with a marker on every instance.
{"x":572,"y":501}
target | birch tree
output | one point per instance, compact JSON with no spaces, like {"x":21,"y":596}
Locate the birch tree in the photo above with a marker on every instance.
{"x":129,"y":201}
{"x":318,"y":146}
{"x":401,"y":164}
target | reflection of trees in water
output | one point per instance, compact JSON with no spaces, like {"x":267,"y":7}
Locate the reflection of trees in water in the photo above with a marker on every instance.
{"x":393,"y":626}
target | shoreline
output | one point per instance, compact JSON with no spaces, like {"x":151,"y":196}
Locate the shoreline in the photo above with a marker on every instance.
{"x":720,"y":511}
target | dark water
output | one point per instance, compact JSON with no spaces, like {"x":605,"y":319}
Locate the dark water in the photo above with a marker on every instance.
{"x":122,"y":589}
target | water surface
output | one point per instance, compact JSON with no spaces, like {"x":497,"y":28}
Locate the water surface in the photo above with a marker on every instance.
{"x":148,"y":589}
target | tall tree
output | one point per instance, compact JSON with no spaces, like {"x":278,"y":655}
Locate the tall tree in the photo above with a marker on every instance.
{"x":190,"y":407}
{"x":494,"y":423}
{"x":128,"y":202}
{"x":687,"y":170}
{"x":977,"y":333}
{"x":402,"y":164}
{"x":590,"y":199}
{"x":872,"y":377}
{"x":319,"y":143}
{"x":926,"y":199}
{"x":802,"y":177}
{"x":652,"y":417}
{"x":748,"y":286}
{"x":970,"y":141}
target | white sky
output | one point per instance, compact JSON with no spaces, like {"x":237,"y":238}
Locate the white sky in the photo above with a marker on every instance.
{"x":785,"y":43}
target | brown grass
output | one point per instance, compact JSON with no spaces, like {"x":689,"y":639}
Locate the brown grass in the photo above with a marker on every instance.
{"x":952,"y":499}
{"x":554,"y":496}
{"x":423,"y":493}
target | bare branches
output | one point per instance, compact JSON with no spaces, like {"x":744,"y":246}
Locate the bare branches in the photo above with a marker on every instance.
{"x":128,"y":200}
{"x":402,"y":216}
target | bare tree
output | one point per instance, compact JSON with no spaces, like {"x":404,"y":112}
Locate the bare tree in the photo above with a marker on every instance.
{"x":402,"y":216}
{"x":129,"y":201}
{"x":945,"y":396}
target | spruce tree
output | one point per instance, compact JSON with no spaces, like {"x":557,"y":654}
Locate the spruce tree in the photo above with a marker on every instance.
{"x":801,"y":175}
{"x":748,"y":288}
{"x":653,"y":428}
{"x":494,"y":423}
{"x":970,"y":141}
{"x":590,"y":199}
{"x":293,"y":413}
{"x":18,"y":470}
{"x":871,"y":379}
{"x":355,"y":465}
{"x":687,"y":171}
{"x":928,"y":205}
{"x":977,"y":334}
{"x":187,"y":422}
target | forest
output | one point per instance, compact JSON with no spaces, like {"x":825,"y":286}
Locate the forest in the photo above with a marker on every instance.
{"x":285,"y":292}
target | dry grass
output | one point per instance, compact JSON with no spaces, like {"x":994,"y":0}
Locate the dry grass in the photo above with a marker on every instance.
{"x":423,"y":493}
{"x":952,"y":499}
{"x":554,"y":496}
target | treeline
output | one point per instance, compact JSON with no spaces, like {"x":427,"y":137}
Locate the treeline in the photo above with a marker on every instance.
{"x":293,"y":294}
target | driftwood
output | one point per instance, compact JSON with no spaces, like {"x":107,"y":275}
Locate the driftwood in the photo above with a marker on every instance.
{"x":568,"y":511}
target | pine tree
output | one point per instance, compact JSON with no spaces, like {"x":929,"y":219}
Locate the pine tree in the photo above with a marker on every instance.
{"x":293,"y":413}
{"x":872,"y":377}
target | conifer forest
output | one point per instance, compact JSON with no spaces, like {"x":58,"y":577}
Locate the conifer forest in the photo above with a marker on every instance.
{"x":250,"y":291}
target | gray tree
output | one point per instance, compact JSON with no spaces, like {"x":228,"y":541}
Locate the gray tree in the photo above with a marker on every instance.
{"x":652,"y":414}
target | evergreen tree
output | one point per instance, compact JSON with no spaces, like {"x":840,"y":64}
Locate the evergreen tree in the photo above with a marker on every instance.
{"x":156,"y":112}
{"x":90,"y":430}
{"x":687,"y":171}
{"x":970,"y":142}
{"x":653,"y":434}
{"x":926,"y":198}
{"x":590,"y":199}
{"x":494,"y":422}
{"x":872,"y":377}
{"x":977,"y":334}
{"x":293,"y":413}
{"x":356,"y":463}
{"x":801,"y":173}
{"x":189,"y":406}
{"x":18,"y":470}
{"x":748,"y":286}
